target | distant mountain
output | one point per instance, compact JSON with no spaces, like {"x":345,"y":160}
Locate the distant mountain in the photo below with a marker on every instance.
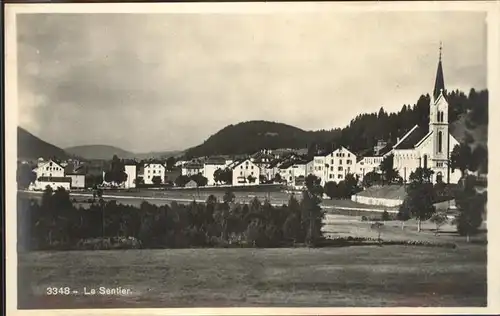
{"x":252,"y":136}
{"x":107,"y":152}
{"x":31,"y":147}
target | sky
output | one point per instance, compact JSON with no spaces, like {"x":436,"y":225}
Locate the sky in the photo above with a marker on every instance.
{"x":155,"y":82}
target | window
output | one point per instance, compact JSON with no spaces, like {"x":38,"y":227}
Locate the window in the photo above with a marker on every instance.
{"x":348,"y":169}
{"x":241,"y":173}
{"x":332,"y":161}
{"x":440,"y":142}
{"x":425,"y":161}
{"x":340,"y":176}
{"x":340,"y":168}
{"x":340,"y":161}
{"x":349,"y":161}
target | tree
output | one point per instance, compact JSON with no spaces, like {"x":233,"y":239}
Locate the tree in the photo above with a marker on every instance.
{"x":181,"y":180}
{"x":313,"y":185}
{"x":262,"y":179}
{"x":389,"y":174}
{"x":200,"y":180}
{"x":439,"y":219}
{"x":277,"y":178}
{"x":93,"y":180}
{"x":378,"y":227}
{"x":251,"y":179}
{"x":116,"y":174}
{"x":139,"y":181}
{"x":223,"y":176}
{"x":420,"y":196}
{"x":25,"y":176}
{"x":229,"y":197}
{"x":479,"y":159}
{"x":170,"y":163}
{"x":311,"y":212}
{"x":371,"y":178}
{"x":421,"y":176}
{"x":156,"y":180}
{"x":471,"y":206}
{"x":460,"y":158}
{"x":351,"y":185}
{"x":404,"y":213}
{"x":331,"y":189}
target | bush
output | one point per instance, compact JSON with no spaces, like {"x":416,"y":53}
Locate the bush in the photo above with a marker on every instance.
{"x":356,"y":241}
{"x":108,"y":243}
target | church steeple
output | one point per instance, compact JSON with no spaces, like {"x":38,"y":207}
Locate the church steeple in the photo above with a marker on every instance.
{"x":439,"y":84}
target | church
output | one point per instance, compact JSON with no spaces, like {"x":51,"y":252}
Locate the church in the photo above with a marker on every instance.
{"x":429,"y":148}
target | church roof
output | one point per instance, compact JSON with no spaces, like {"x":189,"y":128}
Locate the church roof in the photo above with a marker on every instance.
{"x":412,"y":138}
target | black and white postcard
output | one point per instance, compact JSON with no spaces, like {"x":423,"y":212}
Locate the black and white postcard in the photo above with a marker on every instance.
{"x":246,"y":158}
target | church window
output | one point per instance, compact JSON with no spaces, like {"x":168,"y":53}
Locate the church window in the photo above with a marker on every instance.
{"x":440,"y":142}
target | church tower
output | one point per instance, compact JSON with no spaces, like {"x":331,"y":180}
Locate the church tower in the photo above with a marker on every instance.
{"x":438,"y":125}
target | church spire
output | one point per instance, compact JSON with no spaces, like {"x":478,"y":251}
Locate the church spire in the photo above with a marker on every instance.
{"x":439,"y":85}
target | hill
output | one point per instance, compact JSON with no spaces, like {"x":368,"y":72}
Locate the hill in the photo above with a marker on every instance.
{"x":468,"y":117}
{"x":251,"y":136}
{"x":98,"y":151}
{"x":107,"y":152}
{"x":31,"y":147}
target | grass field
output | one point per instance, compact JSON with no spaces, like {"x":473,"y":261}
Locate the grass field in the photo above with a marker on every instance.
{"x":399,"y":276}
{"x":363,"y":276}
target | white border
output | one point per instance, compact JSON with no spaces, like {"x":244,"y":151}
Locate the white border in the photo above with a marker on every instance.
{"x":493,"y":20}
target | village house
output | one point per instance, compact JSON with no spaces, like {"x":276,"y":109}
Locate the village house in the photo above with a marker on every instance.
{"x":50,"y":173}
{"x":371,"y":159}
{"x":76,"y":172}
{"x":210,"y":166}
{"x":131,"y":171}
{"x":192,"y":168}
{"x":154,"y":169}
{"x":245,"y":172}
{"x":334,"y":166}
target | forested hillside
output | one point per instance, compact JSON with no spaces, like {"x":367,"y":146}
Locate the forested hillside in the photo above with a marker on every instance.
{"x":468,"y":118}
{"x":249,"y":137}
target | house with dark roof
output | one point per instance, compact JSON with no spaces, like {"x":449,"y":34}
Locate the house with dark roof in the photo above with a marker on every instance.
{"x":429,"y":146}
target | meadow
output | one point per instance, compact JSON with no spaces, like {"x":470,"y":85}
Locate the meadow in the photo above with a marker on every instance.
{"x":361,"y":276}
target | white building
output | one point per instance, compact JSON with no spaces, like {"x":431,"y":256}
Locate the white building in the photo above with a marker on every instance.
{"x":50,"y":173}
{"x":429,"y":147}
{"x":372,"y":159}
{"x":154,"y":169}
{"x":54,"y":182}
{"x":49,"y":169}
{"x":210,"y":166}
{"x":192,"y":168}
{"x":243,"y":170}
{"x":334,"y":166}
{"x":131,"y":171}
{"x":77,"y":180}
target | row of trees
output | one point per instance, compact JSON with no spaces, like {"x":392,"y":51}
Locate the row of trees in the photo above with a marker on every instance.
{"x":422,"y":195}
{"x":57,"y":221}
